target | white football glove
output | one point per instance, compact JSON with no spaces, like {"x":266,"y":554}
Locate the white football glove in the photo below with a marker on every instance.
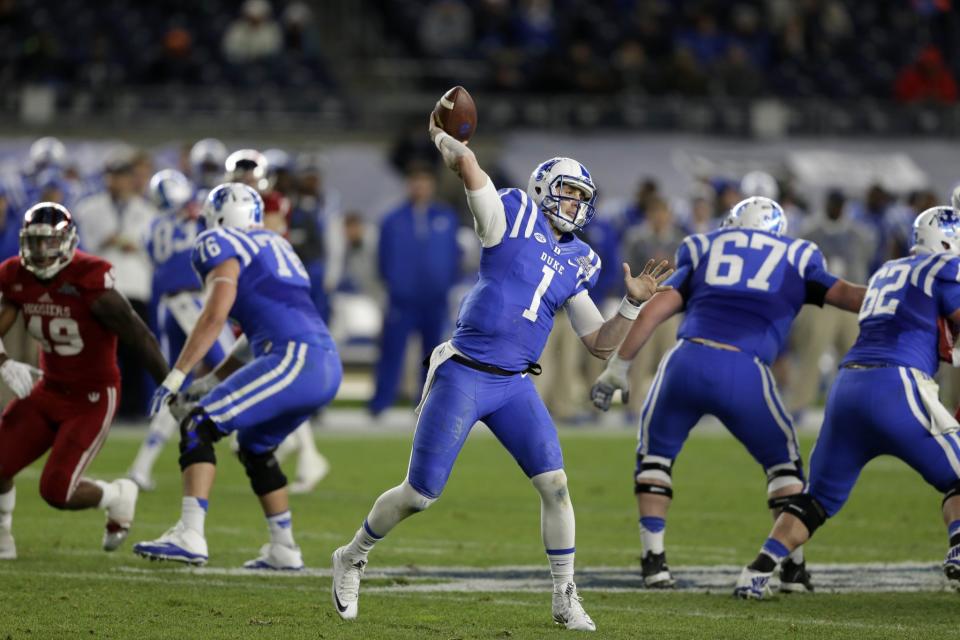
{"x":19,"y":376}
{"x":615,"y":376}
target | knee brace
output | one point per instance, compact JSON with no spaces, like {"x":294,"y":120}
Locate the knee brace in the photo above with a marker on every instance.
{"x":198,"y":433}
{"x":263,"y":470}
{"x":653,"y":468}
{"x":807,"y":510}
{"x":781,"y":476}
{"x":952,"y":492}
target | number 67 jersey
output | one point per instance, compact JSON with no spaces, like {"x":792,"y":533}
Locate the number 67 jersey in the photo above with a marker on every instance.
{"x":78,"y":352}
{"x":744,"y":287}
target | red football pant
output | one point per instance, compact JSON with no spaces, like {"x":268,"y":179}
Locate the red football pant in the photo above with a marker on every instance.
{"x":71,"y":425}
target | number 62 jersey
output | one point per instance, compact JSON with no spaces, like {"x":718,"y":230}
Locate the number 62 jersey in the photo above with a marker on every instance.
{"x":744,"y":287}
{"x":77,"y":351}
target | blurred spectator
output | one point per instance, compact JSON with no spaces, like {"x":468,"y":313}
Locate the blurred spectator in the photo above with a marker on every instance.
{"x":848,"y":247}
{"x":635,"y":72}
{"x":685,"y":76}
{"x":899,"y":221}
{"x":359,"y":268}
{"x":300,"y":36}
{"x":418,"y":259}
{"x":926,"y":79}
{"x":142,"y":169}
{"x":873,"y":213}
{"x":534,"y":26}
{"x":113,"y":224}
{"x":255,"y":35}
{"x":636,"y":211}
{"x":9,"y":230}
{"x":315,"y":230}
{"x":737,"y":76}
{"x":175,"y":62}
{"x":446,"y":29}
{"x":704,"y":41}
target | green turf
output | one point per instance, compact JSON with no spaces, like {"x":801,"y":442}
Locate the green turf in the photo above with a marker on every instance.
{"x":63,"y":586}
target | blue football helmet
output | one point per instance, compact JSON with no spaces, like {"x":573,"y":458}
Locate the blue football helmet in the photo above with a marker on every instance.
{"x":758,"y":213}
{"x":170,"y":190}
{"x":937,"y":230}
{"x":546,"y":190}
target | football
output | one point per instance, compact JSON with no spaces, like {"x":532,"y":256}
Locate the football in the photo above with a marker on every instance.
{"x":456,"y":113}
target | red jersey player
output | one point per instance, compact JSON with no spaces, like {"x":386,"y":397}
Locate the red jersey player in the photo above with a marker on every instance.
{"x":70,"y":306}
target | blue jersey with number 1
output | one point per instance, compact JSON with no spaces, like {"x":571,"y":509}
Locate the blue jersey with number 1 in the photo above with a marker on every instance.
{"x":744,"y":287}
{"x":524,"y":280}
{"x":273,"y":302}
{"x":898,"y":319}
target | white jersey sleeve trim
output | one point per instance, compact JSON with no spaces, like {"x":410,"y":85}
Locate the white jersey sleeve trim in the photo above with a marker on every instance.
{"x":584,"y":316}
{"x":489,"y":217}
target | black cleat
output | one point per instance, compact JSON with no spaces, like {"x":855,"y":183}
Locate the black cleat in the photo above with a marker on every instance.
{"x":656,"y":573}
{"x":794,"y":578}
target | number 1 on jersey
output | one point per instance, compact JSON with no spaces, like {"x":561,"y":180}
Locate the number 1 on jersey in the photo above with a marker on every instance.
{"x":530,"y":313}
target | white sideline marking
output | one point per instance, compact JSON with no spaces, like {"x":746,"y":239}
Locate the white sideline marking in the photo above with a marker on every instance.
{"x":828,"y":578}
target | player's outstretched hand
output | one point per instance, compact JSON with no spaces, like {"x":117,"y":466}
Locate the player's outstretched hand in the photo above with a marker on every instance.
{"x":649,"y":282}
{"x":164,"y":393}
{"x":615,"y":376}
{"x":452,"y":150}
{"x":19,"y":376}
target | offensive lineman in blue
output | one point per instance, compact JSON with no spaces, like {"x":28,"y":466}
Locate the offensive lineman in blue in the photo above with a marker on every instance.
{"x":741,"y":286}
{"x":531,"y":265}
{"x":253,"y":275}
{"x":178,"y":296}
{"x":884,"y":400}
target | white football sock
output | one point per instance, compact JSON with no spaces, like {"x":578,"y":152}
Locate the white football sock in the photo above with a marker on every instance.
{"x":797,"y":555}
{"x":110,"y":492}
{"x":162,"y":427}
{"x":8,"y":501}
{"x":194,"y":513}
{"x":652,"y":533}
{"x":392,"y":507}
{"x":281,"y":528}
{"x":557,"y":523}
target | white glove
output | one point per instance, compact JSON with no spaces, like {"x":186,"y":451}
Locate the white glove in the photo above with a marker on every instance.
{"x":19,"y":376}
{"x":615,"y":376}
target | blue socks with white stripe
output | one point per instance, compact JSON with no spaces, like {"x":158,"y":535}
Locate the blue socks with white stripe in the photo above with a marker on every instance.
{"x":953,"y":530}
{"x":194,"y":513}
{"x":771,"y":554}
{"x":652,"y":531}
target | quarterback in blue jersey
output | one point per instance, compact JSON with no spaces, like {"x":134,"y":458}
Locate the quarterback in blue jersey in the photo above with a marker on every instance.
{"x":177,"y":297}
{"x":740,"y":286}
{"x":254,"y":276}
{"x":531,"y":265}
{"x":884,"y":400}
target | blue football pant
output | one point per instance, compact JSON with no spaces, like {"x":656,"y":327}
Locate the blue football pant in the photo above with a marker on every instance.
{"x":874,"y":412}
{"x":508,"y":405}
{"x":270,"y":397}
{"x":695,"y":380}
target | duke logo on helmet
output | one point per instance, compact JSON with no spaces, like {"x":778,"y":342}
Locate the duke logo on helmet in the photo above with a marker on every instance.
{"x":546,"y":190}
{"x":757,"y":213}
{"x":937,"y":230}
{"x":233,"y":205}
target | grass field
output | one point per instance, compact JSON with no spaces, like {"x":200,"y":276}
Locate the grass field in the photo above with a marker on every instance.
{"x":63,"y":586}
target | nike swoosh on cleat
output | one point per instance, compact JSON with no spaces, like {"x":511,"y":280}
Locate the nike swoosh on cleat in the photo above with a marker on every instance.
{"x":341,"y":608}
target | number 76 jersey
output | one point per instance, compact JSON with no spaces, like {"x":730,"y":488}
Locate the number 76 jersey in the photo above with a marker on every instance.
{"x":898,"y":318}
{"x":273,"y":303}
{"x":744,"y":287}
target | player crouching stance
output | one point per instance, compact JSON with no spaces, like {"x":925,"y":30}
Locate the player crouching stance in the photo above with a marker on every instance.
{"x":254,"y":275}
{"x":532,"y":264}
{"x":884,"y":400}
{"x":71,"y":308}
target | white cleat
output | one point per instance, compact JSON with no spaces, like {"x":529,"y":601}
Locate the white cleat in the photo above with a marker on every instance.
{"x":951,"y":566}
{"x":346,"y":583}
{"x":310,"y":474}
{"x":179,"y":544}
{"x":8,"y":548}
{"x":753,"y":585}
{"x":276,"y":557}
{"x":120,"y":514}
{"x":144,"y":482}
{"x":568,"y":611}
